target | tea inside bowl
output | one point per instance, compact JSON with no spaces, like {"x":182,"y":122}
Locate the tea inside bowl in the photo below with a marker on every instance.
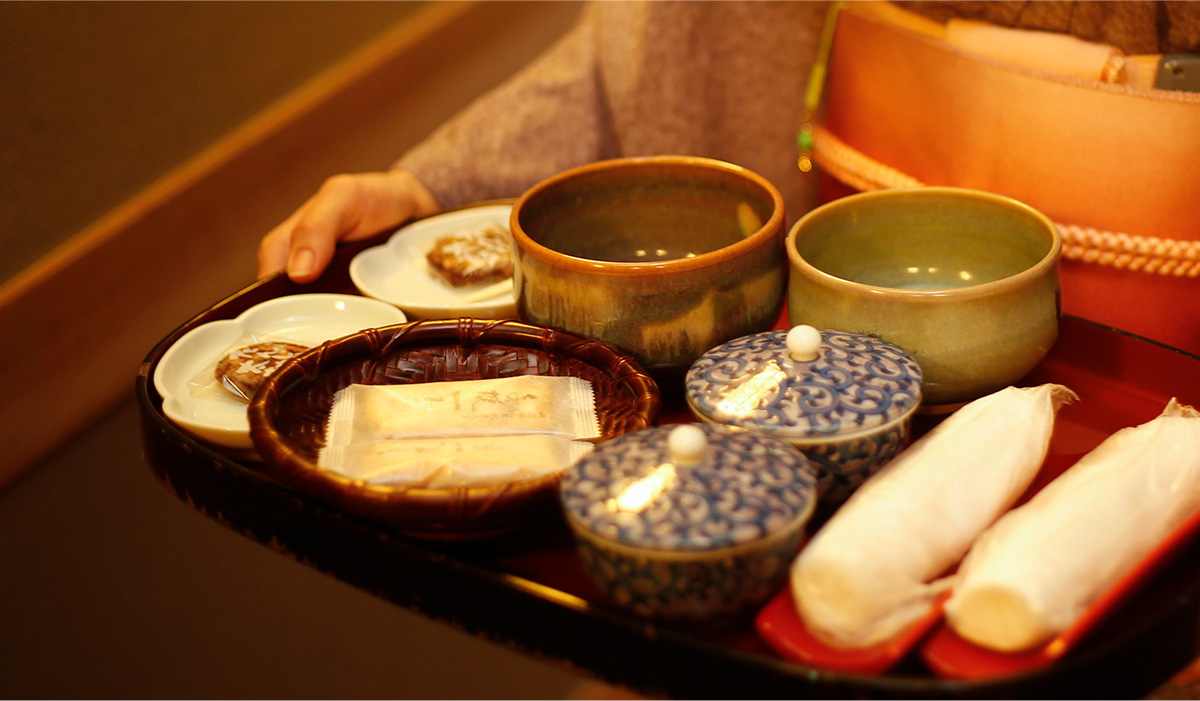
{"x":659,"y":217}
{"x":933,"y":247}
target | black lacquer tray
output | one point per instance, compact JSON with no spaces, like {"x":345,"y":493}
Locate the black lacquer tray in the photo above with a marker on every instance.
{"x":529,"y":591}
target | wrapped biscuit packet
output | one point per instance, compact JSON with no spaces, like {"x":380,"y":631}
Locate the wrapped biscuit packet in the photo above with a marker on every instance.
{"x":872,"y":569}
{"x":1036,"y":571}
{"x":239,"y":369}
{"x":563,"y":406}
{"x":444,"y":463}
{"x":245,"y":367}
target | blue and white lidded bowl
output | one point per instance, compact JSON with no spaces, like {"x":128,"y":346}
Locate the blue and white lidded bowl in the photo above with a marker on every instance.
{"x":689,"y":523}
{"x":846,"y":400}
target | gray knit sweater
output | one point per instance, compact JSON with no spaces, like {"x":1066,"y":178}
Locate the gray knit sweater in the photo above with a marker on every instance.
{"x":718,"y":79}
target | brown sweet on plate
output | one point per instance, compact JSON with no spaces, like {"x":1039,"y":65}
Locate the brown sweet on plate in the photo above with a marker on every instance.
{"x":243,"y":369}
{"x":473,"y":256}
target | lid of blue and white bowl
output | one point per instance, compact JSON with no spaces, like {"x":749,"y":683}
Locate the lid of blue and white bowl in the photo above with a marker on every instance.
{"x":690,"y":487}
{"x":805,"y":384}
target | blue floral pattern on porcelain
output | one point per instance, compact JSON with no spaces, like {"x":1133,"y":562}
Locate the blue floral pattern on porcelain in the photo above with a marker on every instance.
{"x":849,"y":408}
{"x":845,"y":464}
{"x":856,"y":383}
{"x":711,"y":589}
{"x":689,"y":540}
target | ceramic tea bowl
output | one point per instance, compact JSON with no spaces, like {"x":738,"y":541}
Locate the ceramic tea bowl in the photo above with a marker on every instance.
{"x":663,"y":256}
{"x":966,"y":282}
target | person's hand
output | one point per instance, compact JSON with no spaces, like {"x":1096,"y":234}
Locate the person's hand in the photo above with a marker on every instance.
{"x":346,"y":207}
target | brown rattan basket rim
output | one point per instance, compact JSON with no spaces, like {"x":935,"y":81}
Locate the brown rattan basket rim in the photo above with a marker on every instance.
{"x":287,"y":466}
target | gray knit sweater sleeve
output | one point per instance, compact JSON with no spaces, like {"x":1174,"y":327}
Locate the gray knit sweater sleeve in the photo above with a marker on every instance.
{"x":718,"y":79}
{"x":547,"y":118}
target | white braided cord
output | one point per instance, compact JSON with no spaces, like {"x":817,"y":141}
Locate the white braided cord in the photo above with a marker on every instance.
{"x":1147,"y":254}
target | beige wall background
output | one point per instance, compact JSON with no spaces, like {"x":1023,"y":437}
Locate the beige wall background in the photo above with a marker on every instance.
{"x":102,"y":98}
{"x":147,"y":146}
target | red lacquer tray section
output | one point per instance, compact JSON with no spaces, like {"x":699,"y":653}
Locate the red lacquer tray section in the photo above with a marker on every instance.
{"x":951,"y":656}
{"x":783,"y":628}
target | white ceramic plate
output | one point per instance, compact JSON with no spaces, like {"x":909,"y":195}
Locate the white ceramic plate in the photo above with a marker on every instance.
{"x":396,"y":271}
{"x":193,"y":399}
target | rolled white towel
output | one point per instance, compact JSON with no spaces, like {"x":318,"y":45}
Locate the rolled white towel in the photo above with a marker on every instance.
{"x":869,"y":571}
{"x":1037,"y":570}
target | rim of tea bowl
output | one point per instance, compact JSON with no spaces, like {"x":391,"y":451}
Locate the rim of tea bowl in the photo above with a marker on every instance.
{"x":592,"y":265}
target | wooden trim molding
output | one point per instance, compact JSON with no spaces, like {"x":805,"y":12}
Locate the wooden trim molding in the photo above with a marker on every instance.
{"x":77,"y":323}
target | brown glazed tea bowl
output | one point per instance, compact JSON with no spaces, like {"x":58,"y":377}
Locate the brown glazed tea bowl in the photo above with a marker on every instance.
{"x":966,"y":282}
{"x":662,"y":256}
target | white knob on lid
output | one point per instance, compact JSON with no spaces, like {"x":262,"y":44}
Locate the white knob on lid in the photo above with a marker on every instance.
{"x":686,"y":443}
{"x":803,"y":342}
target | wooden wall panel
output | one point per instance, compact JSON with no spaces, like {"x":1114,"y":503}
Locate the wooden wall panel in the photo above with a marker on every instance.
{"x":76,"y":325}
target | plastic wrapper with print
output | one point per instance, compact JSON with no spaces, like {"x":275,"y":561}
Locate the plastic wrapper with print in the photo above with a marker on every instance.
{"x":562,"y":406}
{"x":460,"y":434}
{"x":444,"y":463}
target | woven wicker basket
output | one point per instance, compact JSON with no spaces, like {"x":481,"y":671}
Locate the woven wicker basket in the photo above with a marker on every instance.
{"x":289,"y":412}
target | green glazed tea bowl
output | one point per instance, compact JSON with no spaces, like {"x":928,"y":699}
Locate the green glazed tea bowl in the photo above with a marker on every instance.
{"x":661,"y":256}
{"x":966,"y":282}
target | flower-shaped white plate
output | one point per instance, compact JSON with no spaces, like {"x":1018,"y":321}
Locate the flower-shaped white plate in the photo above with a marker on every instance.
{"x":185,"y":374}
{"x":396,"y":271}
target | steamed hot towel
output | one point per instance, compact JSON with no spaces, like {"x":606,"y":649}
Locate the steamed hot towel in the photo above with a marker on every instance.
{"x":1033,"y":573}
{"x":870,"y":571}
